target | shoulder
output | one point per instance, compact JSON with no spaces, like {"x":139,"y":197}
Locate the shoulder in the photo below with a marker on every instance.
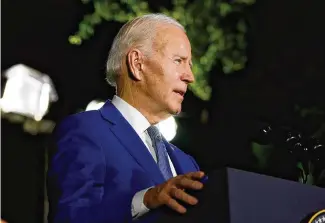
{"x":80,"y":121}
{"x":77,"y":134}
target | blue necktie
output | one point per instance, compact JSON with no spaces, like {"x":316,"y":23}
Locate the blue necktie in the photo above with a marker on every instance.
{"x":161,"y":152}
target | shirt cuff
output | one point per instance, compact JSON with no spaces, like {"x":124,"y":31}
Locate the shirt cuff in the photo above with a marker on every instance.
{"x":138,"y":208}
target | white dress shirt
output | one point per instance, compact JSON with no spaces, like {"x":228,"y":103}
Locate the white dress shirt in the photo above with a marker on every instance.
{"x":140,"y":124}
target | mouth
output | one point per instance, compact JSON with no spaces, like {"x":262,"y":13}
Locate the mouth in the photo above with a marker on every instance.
{"x":180,"y":92}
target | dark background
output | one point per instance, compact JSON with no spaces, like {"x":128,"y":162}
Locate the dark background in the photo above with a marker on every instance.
{"x":286,"y":66}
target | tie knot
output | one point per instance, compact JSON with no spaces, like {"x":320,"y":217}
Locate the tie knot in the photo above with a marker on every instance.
{"x":154,"y":133}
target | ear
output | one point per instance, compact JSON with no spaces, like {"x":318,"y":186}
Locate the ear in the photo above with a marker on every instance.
{"x":135,"y":63}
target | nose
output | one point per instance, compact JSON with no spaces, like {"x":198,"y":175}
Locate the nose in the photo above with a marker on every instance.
{"x":188,"y":76}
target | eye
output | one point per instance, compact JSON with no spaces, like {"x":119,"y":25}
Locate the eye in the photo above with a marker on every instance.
{"x":178,"y":61}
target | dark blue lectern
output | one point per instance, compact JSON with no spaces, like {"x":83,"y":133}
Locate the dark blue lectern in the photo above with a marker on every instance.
{"x":235,"y":196}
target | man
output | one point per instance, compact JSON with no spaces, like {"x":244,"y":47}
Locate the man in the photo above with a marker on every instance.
{"x":112,"y":165}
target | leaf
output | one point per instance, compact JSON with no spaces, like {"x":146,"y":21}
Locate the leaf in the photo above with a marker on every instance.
{"x":262,"y":153}
{"x":75,"y":40}
{"x":310,"y":179}
{"x":241,"y":26}
{"x":225,"y":9}
{"x":181,"y":3}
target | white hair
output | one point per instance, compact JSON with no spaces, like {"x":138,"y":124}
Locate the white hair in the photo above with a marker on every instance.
{"x":136,"y":32}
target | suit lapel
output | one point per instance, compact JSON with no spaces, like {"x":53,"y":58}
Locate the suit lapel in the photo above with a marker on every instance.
{"x":174,"y":158}
{"x":131,"y":141}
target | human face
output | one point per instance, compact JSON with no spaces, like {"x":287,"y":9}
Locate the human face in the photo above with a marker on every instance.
{"x":167,"y":71}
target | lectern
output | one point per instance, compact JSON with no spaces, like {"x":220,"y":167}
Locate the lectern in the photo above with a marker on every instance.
{"x":236,"y":196}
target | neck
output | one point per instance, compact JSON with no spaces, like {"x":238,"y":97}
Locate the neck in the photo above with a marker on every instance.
{"x":143,"y":104}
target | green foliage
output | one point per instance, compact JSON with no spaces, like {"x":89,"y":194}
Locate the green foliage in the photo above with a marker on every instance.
{"x":306,"y":178}
{"x":315,"y":117}
{"x":212,"y":41}
{"x":262,"y":154}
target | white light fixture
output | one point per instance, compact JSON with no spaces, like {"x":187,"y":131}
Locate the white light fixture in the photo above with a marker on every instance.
{"x":27,"y":92}
{"x":94,"y":105}
{"x":168,"y":128}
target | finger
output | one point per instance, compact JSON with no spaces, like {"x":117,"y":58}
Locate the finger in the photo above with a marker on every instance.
{"x":186,"y":183}
{"x":173,"y":204}
{"x":181,"y":195}
{"x":195,"y":175}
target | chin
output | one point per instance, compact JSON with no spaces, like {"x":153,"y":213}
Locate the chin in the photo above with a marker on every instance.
{"x":175,"y":110}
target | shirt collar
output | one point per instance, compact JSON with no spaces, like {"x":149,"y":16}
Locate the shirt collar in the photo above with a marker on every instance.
{"x":131,"y":114}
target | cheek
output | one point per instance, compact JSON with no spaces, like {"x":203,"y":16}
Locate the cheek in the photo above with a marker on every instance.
{"x":166,"y":82}
{"x":165,"y":79}
{"x":172,"y":76}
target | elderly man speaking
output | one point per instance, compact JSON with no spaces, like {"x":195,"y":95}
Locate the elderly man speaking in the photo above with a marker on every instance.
{"x":112,"y":164}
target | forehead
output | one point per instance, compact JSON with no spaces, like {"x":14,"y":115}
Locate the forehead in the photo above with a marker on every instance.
{"x":172,"y":40}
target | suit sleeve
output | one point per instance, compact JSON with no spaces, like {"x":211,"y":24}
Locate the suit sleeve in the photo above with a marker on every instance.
{"x":76,"y":180}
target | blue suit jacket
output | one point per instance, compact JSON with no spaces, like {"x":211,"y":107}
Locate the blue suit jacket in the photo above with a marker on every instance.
{"x":99,"y":164}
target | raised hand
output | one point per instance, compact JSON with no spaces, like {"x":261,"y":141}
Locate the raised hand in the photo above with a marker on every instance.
{"x":174,"y":189}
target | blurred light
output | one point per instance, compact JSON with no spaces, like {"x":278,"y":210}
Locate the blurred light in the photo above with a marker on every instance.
{"x":94,"y":105}
{"x":27,"y":92}
{"x":168,"y":128}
